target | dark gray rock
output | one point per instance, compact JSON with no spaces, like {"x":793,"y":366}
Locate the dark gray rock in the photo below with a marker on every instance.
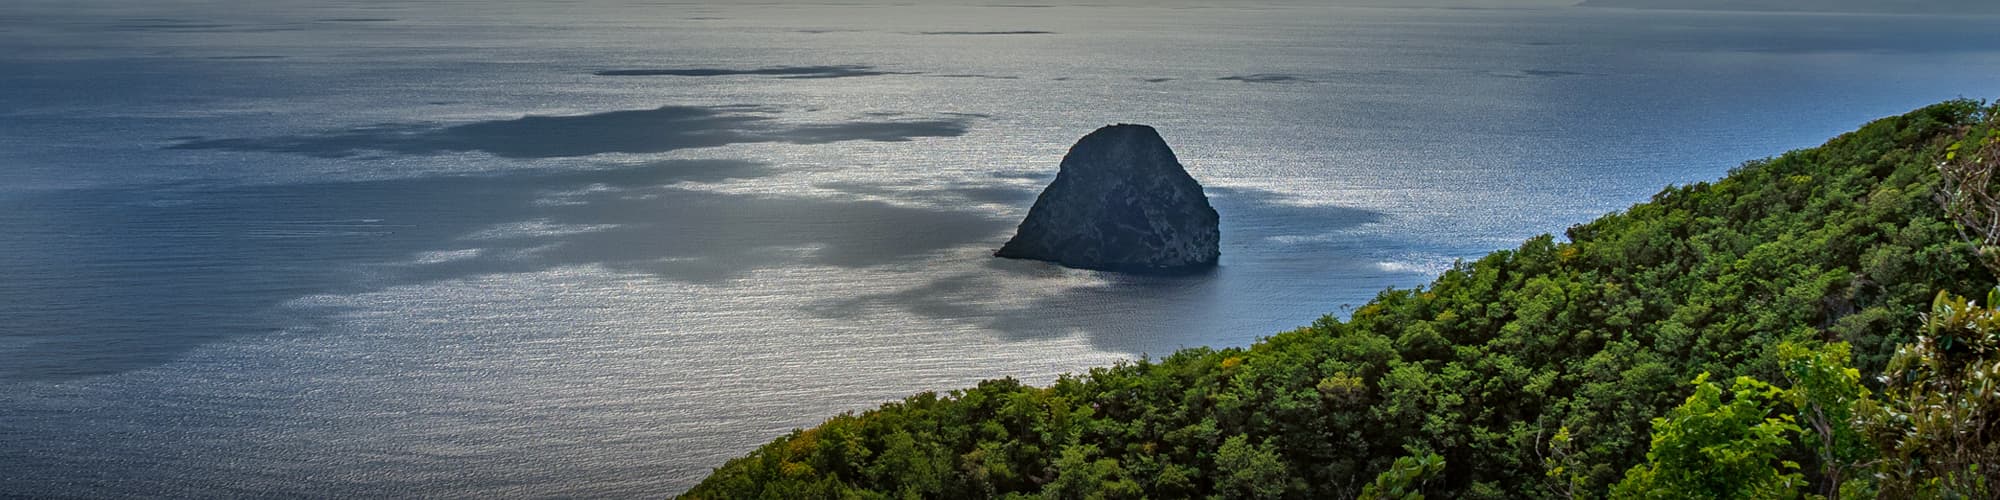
{"x":1121,"y":202}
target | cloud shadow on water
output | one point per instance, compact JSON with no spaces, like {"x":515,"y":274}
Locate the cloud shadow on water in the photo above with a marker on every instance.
{"x":1535,"y":73}
{"x":105,"y":281}
{"x":1268,"y":78}
{"x":977,"y":76}
{"x":791,"y":72}
{"x":1128,"y":313}
{"x":179,"y":25}
{"x":658,"y":130}
{"x":986,"y":33}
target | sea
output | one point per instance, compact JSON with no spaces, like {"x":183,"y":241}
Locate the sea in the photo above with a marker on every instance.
{"x":597,"y":248}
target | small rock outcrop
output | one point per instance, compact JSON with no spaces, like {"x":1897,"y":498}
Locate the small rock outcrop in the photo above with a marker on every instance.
{"x":1121,"y":202}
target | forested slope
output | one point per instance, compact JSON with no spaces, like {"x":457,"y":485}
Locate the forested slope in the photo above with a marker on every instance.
{"x":1536,"y":372}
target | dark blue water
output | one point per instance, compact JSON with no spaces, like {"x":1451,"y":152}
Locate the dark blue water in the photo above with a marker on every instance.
{"x":597,"y":248}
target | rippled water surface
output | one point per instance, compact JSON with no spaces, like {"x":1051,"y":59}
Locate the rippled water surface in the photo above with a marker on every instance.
{"x":597,"y":248}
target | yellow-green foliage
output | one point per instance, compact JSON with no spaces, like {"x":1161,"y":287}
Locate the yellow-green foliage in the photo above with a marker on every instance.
{"x":1405,"y":479}
{"x":1708,"y":448}
{"x":1928,"y":434}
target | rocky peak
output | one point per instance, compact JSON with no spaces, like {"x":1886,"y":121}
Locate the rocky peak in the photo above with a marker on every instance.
{"x":1121,"y":202}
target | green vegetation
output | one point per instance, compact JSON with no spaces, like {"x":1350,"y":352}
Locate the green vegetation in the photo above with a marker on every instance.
{"x":1927,"y":436}
{"x":1555,"y":369}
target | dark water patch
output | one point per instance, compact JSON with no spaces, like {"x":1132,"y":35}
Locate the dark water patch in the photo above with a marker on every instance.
{"x":1148,"y":303}
{"x":1156,"y":80}
{"x":165,"y":23}
{"x":659,"y":130}
{"x":105,"y":281}
{"x":868,"y":131}
{"x":162,"y":270}
{"x":1137,"y":313}
{"x":1028,"y":175}
{"x":970,"y":75}
{"x":1267,"y":78}
{"x":171,"y":25}
{"x":803,"y":72}
{"x":983,"y":33}
{"x":1535,"y":73}
{"x":246,"y":58}
{"x":1259,"y":215}
{"x":358,"y":20}
{"x":660,"y":172}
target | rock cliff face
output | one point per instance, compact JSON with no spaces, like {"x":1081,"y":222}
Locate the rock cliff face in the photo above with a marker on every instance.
{"x":1121,"y":202}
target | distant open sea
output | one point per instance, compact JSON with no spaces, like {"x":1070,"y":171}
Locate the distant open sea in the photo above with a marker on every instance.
{"x":597,"y":248}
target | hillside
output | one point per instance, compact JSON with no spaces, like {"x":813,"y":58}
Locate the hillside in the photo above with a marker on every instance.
{"x":1532,"y":372}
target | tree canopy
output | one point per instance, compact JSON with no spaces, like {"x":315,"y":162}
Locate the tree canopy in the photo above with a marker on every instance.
{"x":1559,"y":368}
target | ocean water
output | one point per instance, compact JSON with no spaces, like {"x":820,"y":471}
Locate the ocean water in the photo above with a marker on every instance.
{"x":597,"y":248}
